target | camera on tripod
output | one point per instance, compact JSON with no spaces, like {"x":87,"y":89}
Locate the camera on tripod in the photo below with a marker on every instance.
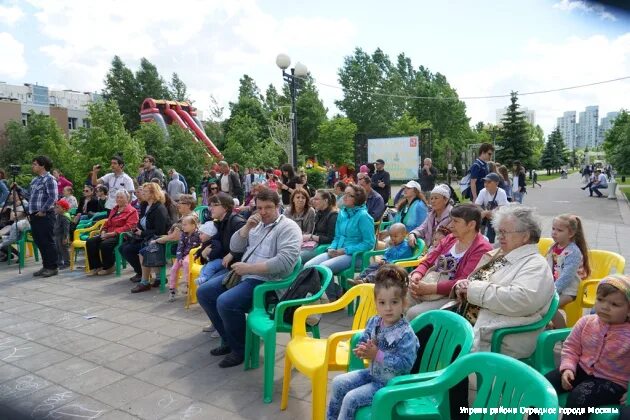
{"x":15,"y":170}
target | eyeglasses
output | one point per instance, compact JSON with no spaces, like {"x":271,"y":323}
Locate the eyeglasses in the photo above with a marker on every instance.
{"x":349,"y":195}
{"x":214,"y":188}
{"x":505,"y":233}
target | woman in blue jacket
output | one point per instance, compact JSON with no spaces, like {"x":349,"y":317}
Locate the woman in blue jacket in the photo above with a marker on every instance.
{"x":354,"y":232}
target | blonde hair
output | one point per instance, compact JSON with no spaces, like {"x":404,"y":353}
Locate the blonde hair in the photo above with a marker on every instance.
{"x":155,"y":191}
{"x":191,"y":219}
{"x":574,"y":223}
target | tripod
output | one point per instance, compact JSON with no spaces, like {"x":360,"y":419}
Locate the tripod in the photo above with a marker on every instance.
{"x":15,"y":195}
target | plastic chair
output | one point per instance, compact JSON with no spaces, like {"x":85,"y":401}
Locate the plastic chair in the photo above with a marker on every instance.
{"x":601,"y":263}
{"x":499,"y":335}
{"x":200,"y":211}
{"x":502,"y":381}
{"x":260,"y":325}
{"x":543,"y":245}
{"x":168,"y":246}
{"x":544,"y":362}
{"x":24,"y":243}
{"x":83,"y":224}
{"x":348,"y":273}
{"x":450,"y":337}
{"x":120,"y":262}
{"x":194,"y":269}
{"x":417,"y":252}
{"x":79,"y":243}
{"x":314,"y":357}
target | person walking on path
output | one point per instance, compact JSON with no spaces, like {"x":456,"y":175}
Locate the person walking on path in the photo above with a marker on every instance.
{"x":535,"y":179}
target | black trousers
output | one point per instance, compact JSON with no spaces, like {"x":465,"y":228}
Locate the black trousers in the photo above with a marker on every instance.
{"x":42,"y":231}
{"x":129,"y":251}
{"x":100,"y":252}
{"x":588,"y":391}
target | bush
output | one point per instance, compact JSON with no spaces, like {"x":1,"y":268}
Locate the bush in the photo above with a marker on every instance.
{"x":316,"y":178}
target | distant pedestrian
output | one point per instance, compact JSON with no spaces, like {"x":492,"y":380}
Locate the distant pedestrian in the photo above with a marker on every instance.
{"x":427,"y":175}
{"x":535,"y":179}
{"x":381,"y":182}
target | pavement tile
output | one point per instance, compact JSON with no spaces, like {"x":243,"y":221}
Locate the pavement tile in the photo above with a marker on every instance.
{"x":134,"y":362}
{"x":20,"y":387}
{"x":91,"y":380}
{"x":81,"y":408}
{"x":41,"y":360}
{"x":120,"y":332}
{"x":66,"y":369}
{"x":8,"y":372}
{"x":124,"y":391}
{"x":144,"y":340}
{"x":157,"y":404}
{"x":40,"y":403}
{"x":107,"y":353}
{"x":199,"y":411}
{"x":164,"y":373}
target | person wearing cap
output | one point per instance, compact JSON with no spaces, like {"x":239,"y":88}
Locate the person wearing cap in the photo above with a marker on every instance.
{"x":427,"y":175}
{"x":380,"y":180}
{"x":61,"y":232}
{"x":440,"y":215}
{"x":490,"y":198}
{"x":594,"y":365}
{"x":413,"y":207}
{"x":375,"y":204}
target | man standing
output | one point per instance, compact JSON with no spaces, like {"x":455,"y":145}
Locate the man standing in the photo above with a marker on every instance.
{"x":601,"y":183}
{"x":375,"y":204}
{"x":116,"y":180}
{"x":42,"y":196}
{"x":271,"y":245}
{"x":479,"y":170}
{"x":150,"y":171}
{"x":427,"y":175}
{"x":229,"y":181}
{"x":380,"y":180}
{"x":175,"y":186}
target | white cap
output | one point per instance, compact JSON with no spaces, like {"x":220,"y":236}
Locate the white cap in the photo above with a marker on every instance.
{"x":208,"y":228}
{"x":443,"y":190}
{"x":413,"y":184}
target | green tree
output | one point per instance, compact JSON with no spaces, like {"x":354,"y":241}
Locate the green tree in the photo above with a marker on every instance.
{"x":150,"y":82}
{"x":240,"y":141}
{"x":178,"y":90}
{"x":537,"y":139}
{"x":121,"y":86}
{"x":185,"y":154}
{"x":514,"y":136}
{"x":311,"y":113}
{"x":552,"y":156}
{"x":407,"y":125}
{"x":562,"y":154}
{"x":335,"y":142}
{"x":617,"y":143}
{"x":154,"y":140}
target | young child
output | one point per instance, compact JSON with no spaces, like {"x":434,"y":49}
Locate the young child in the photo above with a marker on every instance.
{"x":441,"y":233}
{"x":398,"y":249}
{"x":594,"y":364}
{"x":188,"y":240}
{"x":568,"y":260}
{"x":193,"y":192}
{"x":101,"y":196}
{"x":210,"y":253}
{"x":61,"y":232}
{"x":388,"y":341}
{"x":71,"y":199}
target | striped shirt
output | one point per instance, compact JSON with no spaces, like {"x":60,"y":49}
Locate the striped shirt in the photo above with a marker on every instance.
{"x":602,"y":350}
{"x":43,"y":193}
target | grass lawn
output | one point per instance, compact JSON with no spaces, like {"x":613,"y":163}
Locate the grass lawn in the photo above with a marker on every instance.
{"x":542,"y":176}
{"x":626,"y":191}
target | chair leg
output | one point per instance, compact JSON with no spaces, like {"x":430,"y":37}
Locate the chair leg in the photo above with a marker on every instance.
{"x":248,"y":347}
{"x":319,"y":383}
{"x":255,"y":351}
{"x":21,"y":251}
{"x":315,"y":329}
{"x":87,"y":262}
{"x":117,"y":261}
{"x":270,"y":361}
{"x":163,"y":279}
{"x":286,"y":382}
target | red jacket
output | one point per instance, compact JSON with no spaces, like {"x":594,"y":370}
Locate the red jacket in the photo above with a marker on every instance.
{"x":123,"y":222}
{"x":466,"y":265}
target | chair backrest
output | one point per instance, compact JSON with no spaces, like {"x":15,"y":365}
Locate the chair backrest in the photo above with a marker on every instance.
{"x":543,"y":245}
{"x":444,"y":336}
{"x":601,"y":263}
{"x":366,"y":307}
{"x":201,"y":210}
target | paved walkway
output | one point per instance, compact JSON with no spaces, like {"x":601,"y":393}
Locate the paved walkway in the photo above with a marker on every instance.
{"x":77,"y":347}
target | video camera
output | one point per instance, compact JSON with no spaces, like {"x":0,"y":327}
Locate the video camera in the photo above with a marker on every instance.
{"x":15,"y":170}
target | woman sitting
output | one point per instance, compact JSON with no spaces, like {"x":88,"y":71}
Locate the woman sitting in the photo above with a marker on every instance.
{"x":88,"y":205}
{"x":100,"y":249}
{"x":323,"y":231}
{"x":440,"y":215}
{"x":354,"y":232}
{"x":300,"y":210}
{"x":413,"y":208}
{"x":154,"y":222}
{"x":453,"y":259}
{"x":512,"y":285}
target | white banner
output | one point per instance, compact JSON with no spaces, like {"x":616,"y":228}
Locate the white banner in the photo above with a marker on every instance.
{"x":401,"y":156}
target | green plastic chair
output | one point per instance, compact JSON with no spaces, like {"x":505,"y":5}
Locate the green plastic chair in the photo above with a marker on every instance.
{"x":89,"y":222}
{"x":499,"y":335}
{"x":444,"y":337}
{"x":200,"y":210}
{"x":169,"y":257}
{"x":417,"y":253}
{"x":501,"y":380}
{"x":260,"y":325}
{"x":544,"y":362}
{"x":120,"y":262}
{"x":26,"y":237}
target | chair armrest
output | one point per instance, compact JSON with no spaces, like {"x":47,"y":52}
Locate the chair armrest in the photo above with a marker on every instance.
{"x":408,"y":263}
{"x":369,"y":254}
{"x":354,"y":363}
{"x":122,"y":236}
{"x":543,"y":355}
{"x":334,"y":340}
{"x":414,"y":377}
{"x":583,"y":289}
{"x":387,"y":397}
{"x":281,"y":307}
{"x":384,"y":225}
{"x":262,"y":289}
{"x":321,"y":248}
{"x":191,"y":256}
{"x":78,"y":232}
{"x":299,"y":318}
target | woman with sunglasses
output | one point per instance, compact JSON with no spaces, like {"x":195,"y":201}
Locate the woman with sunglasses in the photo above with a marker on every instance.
{"x":88,"y":205}
{"x":213,"y":189}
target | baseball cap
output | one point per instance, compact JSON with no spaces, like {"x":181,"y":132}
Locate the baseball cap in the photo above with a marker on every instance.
{"x":413,"y":184}
{"x":492,"y":177}
{"x":64,"y":204}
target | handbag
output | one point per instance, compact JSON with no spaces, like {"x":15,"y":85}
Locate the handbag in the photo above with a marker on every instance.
{"x":231,"y":279}
{"x":309,"y":244}
{"x":153,"y":255}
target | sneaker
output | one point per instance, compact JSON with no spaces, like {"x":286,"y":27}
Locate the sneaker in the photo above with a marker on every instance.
{"x":64,"y":266}
{"x":222,"y":350}
{"x":39,"y":272}
{"x":141,"y":288}
{"x":156,"y":283}
{"x":50,"y":272}
{"x":231,"y":360}
{"x":209,"y":328}
{"x":171,"y":295}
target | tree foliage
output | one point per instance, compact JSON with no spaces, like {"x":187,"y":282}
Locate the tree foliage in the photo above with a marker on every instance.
{"x":515,"y":137}
{"x":617,"y":143}
{"x":336,"y":141}
{"x":554,"y":154}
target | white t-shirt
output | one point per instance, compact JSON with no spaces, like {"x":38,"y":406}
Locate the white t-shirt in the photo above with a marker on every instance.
{"x":114,"y":183}
{"x":225,"y":183}
{"x":485,"y":197}
{"x":602,"y":180}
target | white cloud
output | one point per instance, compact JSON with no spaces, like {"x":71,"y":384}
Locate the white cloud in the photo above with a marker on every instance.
{"x":574,"y":61}
{"x":12,"y":65}
{"x":585,"y":7}
{"x":10,"y":15}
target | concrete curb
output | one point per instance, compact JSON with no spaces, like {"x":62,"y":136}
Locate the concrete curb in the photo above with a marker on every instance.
{"x":624,"y":206}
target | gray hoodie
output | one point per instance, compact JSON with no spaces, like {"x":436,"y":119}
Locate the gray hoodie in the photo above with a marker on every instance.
{"x":175,"y":187}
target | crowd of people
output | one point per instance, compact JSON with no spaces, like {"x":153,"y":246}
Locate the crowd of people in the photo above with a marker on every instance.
{"x":259,"y":223}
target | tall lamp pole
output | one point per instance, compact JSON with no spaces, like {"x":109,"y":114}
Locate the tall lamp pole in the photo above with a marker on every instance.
{"x":299,"y":71}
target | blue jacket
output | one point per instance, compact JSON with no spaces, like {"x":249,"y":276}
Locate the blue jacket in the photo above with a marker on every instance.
{"x":414,"y":216}
{"x":354,"y":230}
{"x":569,"y":262}
{"x":398,"y":252}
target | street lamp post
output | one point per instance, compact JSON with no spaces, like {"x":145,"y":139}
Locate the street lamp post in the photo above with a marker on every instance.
{"x":299,"y":71}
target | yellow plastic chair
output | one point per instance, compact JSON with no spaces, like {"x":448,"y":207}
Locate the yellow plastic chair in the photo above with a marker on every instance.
{"x":601,"y":263}
{"x":543,"y":245}
{"x":194,"y":269}
{"x":78,"y":243}
{"x":315,"y":357}
{"x":410,"y":265}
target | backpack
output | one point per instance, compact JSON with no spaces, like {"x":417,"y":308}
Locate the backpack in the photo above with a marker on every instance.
{"x":306,"y":284}
{"x":464,"y":183}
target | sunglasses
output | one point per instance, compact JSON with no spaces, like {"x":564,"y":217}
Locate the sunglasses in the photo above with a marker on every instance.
{"x":214,"y":188}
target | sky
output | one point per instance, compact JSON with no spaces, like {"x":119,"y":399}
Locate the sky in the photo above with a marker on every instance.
{"x":483,"y":47}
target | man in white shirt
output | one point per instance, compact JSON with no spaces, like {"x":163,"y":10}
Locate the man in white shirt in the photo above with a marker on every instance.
{"x":601,"y":183}
{"x":490,"y":198}
{"x":116,"y":180}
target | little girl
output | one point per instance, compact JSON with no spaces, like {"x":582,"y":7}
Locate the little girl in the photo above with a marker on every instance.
{"x":71,"y":199}
{"x":388,"y":341}
{"x":188,"y":240}
{"x":441,"y":233}
{"x":594,"y":364}
{"x":568,"y":260}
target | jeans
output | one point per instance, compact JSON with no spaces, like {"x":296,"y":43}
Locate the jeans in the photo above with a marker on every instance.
{"x":336,"y":264}
{"x":227,"y":308}
{"x":130,"y":250}
{"x":596,"y":189}
{"x":211,"y":269}
{"x":517,"y":196}
{"x":351,"y":391}
{"x":42,"y":231}
{"x":63,"y":251}
{"x":307,"y":255}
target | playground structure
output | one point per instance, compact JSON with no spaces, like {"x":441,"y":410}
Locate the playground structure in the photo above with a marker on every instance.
{"x":165,"y":112}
